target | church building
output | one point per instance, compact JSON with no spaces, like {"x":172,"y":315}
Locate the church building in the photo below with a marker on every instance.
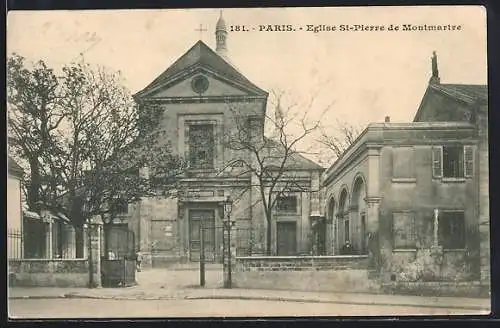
{"x":200,"y":95}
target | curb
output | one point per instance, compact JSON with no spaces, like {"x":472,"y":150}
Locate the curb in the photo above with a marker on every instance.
{"x":246,"y":298}
{"x":305,"y":300}
{"x":34,"y":297}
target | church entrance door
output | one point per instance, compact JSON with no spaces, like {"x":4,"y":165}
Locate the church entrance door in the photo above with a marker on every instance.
{"x":287,"y":238}
{"x":196,"y":219}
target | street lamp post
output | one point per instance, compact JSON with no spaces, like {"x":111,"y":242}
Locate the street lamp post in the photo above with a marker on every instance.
{"x":228,"y":207}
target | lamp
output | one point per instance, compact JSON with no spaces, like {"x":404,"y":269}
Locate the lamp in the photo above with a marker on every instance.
{"x":228,"y":206}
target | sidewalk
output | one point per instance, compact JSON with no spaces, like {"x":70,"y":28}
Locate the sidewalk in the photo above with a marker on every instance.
{"x":137,"y":293}
{"x":160,"y":284}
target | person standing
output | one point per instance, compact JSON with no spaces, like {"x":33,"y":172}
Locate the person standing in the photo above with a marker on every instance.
{"x":138,"y":261}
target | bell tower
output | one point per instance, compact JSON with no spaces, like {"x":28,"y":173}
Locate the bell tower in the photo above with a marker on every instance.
{"x":221,"y":37}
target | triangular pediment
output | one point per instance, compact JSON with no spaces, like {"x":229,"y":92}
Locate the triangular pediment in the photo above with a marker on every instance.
{"x":185,"y":87}
{"x":223,"y":78}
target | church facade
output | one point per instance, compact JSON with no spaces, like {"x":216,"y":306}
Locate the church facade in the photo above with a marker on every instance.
{"x":200,"y":96}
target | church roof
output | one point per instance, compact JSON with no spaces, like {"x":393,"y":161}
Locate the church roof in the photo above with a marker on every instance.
{"x":465,"y":92}
{"x":295,"y":161}
{"x":201,"y":54}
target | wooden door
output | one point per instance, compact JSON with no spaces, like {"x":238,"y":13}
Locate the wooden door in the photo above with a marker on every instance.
{"x":197,"y":220}
{"x":321,"y":238}
{"x":286,"y":238}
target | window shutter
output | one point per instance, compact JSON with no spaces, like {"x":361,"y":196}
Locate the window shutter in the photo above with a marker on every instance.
{"x":468,"y":161}
{"x":437,"y":162}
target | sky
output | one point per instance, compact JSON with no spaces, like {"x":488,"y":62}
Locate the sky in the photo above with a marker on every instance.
{"x":363,"y":75}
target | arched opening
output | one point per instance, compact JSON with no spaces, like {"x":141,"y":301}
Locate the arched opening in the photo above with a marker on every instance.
{"x":330,"y":227}
{"x":331,"y":209}
{"x":343,"y":231}
{"x":358,"y":216}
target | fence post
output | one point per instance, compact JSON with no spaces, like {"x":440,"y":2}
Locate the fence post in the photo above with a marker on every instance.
{"x":202,"y":256}
{"x":94,"y":257}
{"x":229,"y":279}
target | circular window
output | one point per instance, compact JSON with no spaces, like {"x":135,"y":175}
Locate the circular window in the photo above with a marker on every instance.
{"x":199,"y":84}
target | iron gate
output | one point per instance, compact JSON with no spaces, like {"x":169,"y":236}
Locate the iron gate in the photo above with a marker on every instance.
{"x":118,"y":263}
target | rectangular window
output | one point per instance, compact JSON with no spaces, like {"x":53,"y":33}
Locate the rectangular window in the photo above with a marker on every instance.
{"x":453,"y":161}
{"x":451,"y":227}
{"x":403,"y":225}
{"x":286,"y":204}
{"x":201,"y":145}
{"x":403,"y":162}
{"x":253,"y":125}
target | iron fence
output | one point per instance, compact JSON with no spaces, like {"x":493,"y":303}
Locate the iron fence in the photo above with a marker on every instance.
{"x":35,"y":243}
{"x":64,"y":243}
{"x":215,"y":242}
{"x":14,"y":244}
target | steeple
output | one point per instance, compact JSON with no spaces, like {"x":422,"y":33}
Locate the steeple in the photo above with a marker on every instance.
{"x":221,"y":37}
{"x":435,"y":71}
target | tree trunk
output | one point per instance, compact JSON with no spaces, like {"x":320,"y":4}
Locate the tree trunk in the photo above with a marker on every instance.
{"x":268,"y":234}
{"x":106,"y":228}
{"x":79,"y":241}
{"x":34,"y":187}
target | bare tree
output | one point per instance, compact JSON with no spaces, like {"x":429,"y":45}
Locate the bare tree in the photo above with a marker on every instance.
{"x":336,"y":139}
{"x":273,"y":161}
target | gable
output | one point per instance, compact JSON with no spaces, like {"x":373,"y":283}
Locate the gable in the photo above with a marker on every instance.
{"x":184,"y":88}
{"x":450,"y":102}
{"x":200,"y":57}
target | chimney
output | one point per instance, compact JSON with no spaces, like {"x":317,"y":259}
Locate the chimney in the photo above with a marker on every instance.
{"x":387,"y":119}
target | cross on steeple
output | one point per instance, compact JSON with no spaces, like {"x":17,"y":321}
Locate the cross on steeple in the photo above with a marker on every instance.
{"x":201,"y":30}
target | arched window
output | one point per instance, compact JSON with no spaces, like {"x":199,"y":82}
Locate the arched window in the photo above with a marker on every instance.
{"x":358,"y":209}
{"x":343,"y":222}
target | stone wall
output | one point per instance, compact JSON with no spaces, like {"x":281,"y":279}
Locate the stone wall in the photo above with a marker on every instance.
{"x":304,"y":273}
{"x":424,"y":265}
{"x":438,"y":288}
{"x":49,"y":272}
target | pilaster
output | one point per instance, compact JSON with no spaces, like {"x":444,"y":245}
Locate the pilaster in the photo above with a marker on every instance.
{"x":373,"y":176}
{"x":95,"y":229}
{"x":45,"y":215}
{"x":372,"y":230}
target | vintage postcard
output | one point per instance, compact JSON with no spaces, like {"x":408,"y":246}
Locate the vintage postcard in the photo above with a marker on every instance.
{"x":248,"y":162}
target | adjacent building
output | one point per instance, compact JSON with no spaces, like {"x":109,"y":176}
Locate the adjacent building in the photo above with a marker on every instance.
{"x":414,"y":196}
